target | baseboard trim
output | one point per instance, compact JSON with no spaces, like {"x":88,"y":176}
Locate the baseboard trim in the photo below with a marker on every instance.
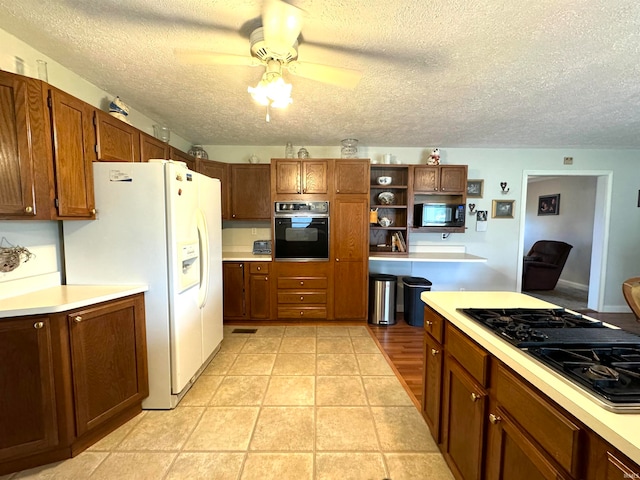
{"x":577,"y":286}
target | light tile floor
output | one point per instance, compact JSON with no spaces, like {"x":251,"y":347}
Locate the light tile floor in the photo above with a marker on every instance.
{"x":287,"y":402}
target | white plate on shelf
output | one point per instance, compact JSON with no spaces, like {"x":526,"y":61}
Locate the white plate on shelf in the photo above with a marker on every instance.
{"x":386,"y":198}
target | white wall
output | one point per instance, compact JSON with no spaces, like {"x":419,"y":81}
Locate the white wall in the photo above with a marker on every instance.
{"x":573,"y":224}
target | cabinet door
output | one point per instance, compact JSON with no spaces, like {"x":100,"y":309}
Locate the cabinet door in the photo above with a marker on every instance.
{"x":463,"y":421}
{"x":432,"y":388}
{"x":217,"y":170}
{"x":314,"y":176}
{"x":233,"y":290}
{"x":73,"y":154}
{"x":512,"y":455}
{"x":17,"y":195}
{"x":116,"y":141}
{"x":151,"y":147}
{"x":350,"y":244}
{"x":426,"y":179}
{"x":619,"y":468}
{"x":27,"y":403}
{"x":250,"y":194}
{"x":108,"y":360}
{"x":453,"y":179}
{"x":351,"y":176}
{"x":175,"y":154}
{"x":288,"y":176}
{"x":259,"y":294}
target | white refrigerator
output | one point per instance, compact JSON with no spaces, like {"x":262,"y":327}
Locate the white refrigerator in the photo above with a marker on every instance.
{"x":158,"y":224}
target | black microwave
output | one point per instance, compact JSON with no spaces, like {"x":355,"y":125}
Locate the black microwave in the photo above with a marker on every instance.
{"x":438,"y":215}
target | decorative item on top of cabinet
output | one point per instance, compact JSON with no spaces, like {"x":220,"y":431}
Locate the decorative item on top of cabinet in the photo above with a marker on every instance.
{"x":249,"y":192}
{"x":116,"y":141}
{"x":197,"y":151}
{"x":299,"y":177}
{"x":391,"y":201}
{"x":152,"y":148}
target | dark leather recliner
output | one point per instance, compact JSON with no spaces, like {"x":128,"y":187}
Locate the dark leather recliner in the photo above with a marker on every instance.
{"x":543,"y":264}
{"x":631,"y":292}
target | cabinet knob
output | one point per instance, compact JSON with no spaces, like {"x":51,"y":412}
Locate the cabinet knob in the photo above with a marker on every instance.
{"x":240,"y":265}
{"x":429,"y":323}
{"x":93,"y":211}
{"x":77,"y":319}
{"x":301,"y":283}
{"x":301,"y":314}
{"x":266,"y":279}
{"x":475,"y":397}
{"x":434,"y":352}
{"x":337,"y":190}
{"x":259,"y":268}
{"x":233,"y":215}
{"x":38,"y":325}
{"x":337,"y":259}
{"x":301,"y":298}
{"x":495,"y":419}
{"x":28,"y":209}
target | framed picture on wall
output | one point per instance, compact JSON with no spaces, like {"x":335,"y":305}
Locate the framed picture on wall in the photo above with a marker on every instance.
{"x":549,"y":204}
{"x":502,"y":209}
{"x":474,"y":188}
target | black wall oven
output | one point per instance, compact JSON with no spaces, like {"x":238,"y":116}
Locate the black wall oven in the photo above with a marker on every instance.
{"x":301,"y":231}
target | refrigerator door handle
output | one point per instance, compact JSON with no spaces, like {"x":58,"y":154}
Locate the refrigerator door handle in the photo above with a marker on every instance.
{"x":203,"y":242}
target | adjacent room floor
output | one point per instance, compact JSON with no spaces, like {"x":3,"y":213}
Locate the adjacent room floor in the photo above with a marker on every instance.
{"x":285,"y":402}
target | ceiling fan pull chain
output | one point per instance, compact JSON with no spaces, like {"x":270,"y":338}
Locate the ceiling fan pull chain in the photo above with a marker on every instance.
{"x":268,"y":119}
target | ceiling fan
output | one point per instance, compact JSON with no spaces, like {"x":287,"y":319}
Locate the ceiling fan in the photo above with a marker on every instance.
{"x":274,"y":45}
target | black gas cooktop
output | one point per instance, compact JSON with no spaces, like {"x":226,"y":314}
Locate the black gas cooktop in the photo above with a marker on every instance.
{"x":604,"y":361}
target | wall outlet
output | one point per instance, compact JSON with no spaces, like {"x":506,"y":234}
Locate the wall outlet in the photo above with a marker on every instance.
{"x":254,"y":231}
{"x":568,"y":160}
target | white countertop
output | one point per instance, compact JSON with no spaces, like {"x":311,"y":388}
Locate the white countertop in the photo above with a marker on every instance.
{"x":428,"y":257}
{"x":62,"y":298}
{"x":244,"y":257}
{"x":622,"y":430}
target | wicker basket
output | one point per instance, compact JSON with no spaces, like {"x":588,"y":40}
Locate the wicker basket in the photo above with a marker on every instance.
{"x":10,"y":257}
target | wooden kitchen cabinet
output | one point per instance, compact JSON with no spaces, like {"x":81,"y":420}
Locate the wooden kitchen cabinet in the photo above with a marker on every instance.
{"x":246,"y":290}
{"x":302,"y":290}
{"x":300,"y":177}
{"x":220,"y":171}
{"x":351,"y":176}
{"x":445,"y":179}
{"x":175,"y":154}
{"x":233,"y":287}
{"x":73,"y":153}
{"x":28,"y":403}
{"x":108,"y":360}
{"x":432,"y":385}
{"x":116,"y":141}
{"x":249,"y":192}
{"x":152,"y":148}
{"x":398,"y":211}
{"x":259,"y":291}
{"x":350,"y":240}
{"x":74,"y":377}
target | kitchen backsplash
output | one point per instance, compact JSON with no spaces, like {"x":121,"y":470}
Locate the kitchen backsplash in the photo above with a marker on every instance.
{"x":240,"y":239}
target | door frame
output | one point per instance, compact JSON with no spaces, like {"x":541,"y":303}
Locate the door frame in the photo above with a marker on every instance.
{"x":601,"y":221}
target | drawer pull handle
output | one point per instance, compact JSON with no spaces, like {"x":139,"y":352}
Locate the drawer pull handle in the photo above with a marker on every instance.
{"x":434,"y":352}
{"x":266,"y":279}
{"x":259,"y":268}
{"x":475,"y":397}
{"x":301,"y":298}
{"x":301,"y":283}
{"x":92,"y":211}
{"x":429,"y":323}
{"x":301,"y":314}
{"x":495,"y":419}
{"x":77,"y":319}
{"x":38,"y":325}
{"x":28,"y":209}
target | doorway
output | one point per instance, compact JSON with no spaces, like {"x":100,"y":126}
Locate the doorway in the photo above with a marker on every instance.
{"x":600,"y":235}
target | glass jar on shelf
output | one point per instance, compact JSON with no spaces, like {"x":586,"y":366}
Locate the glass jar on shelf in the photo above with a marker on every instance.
{"x":349,"y":148}
{"x":198,"y":152}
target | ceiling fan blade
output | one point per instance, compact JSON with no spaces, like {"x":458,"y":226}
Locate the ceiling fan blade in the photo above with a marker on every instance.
{"x":282,"y":24}
{"x":338,"y":76}
{"x":204,"y":57}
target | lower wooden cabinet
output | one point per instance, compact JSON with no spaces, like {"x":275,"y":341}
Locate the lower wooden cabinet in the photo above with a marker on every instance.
{"x":246,"y":290}
{"x":432,"y":385}
{"x":302,"y":290}
{"x":73,"y":377}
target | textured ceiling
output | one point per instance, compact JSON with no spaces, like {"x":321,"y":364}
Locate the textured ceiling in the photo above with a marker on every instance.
{"x":512,"y":73}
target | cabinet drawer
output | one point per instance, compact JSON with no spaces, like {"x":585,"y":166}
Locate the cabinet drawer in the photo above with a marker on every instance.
{"x":302,"y":282}
{"x":302,"y":312}
{"x":258,"y":267}
{"x":302,"y":297}
{"x":433,"y":324}
{"x":554,"y":432}
{"x":473,"y":358}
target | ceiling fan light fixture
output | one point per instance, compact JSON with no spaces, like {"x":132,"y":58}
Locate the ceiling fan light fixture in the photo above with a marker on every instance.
{"x":272,"y":90}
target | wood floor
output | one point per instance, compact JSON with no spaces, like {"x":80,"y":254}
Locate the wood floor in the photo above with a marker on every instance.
{"x":403,"y":345}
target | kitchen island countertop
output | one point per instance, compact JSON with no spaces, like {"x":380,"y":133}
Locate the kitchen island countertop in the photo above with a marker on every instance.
{"x":622,"y":430}
{"x":62,"y":298}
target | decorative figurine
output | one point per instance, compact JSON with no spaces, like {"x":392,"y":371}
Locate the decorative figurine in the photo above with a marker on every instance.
{"x":434,"y":158}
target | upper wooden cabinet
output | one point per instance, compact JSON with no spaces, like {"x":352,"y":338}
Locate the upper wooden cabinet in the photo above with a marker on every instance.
{"x":447,"y":179}
{"x":305,"y":177}
{"x":220,"y":171}
{"x":73,"y":153}
{"x":116,"y":141}
{"x":17,"y":196}
{"x":175,"y":154}
{"x":351,"y":176}
{"x":152,"y":148}
{"x":249,"y":192}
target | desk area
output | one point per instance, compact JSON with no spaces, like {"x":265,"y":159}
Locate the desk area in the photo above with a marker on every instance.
{"x":432,"y":254}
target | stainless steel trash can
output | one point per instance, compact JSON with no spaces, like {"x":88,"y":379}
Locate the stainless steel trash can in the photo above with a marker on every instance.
{"x":382,"y":299}
{"x":413,"y":306}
